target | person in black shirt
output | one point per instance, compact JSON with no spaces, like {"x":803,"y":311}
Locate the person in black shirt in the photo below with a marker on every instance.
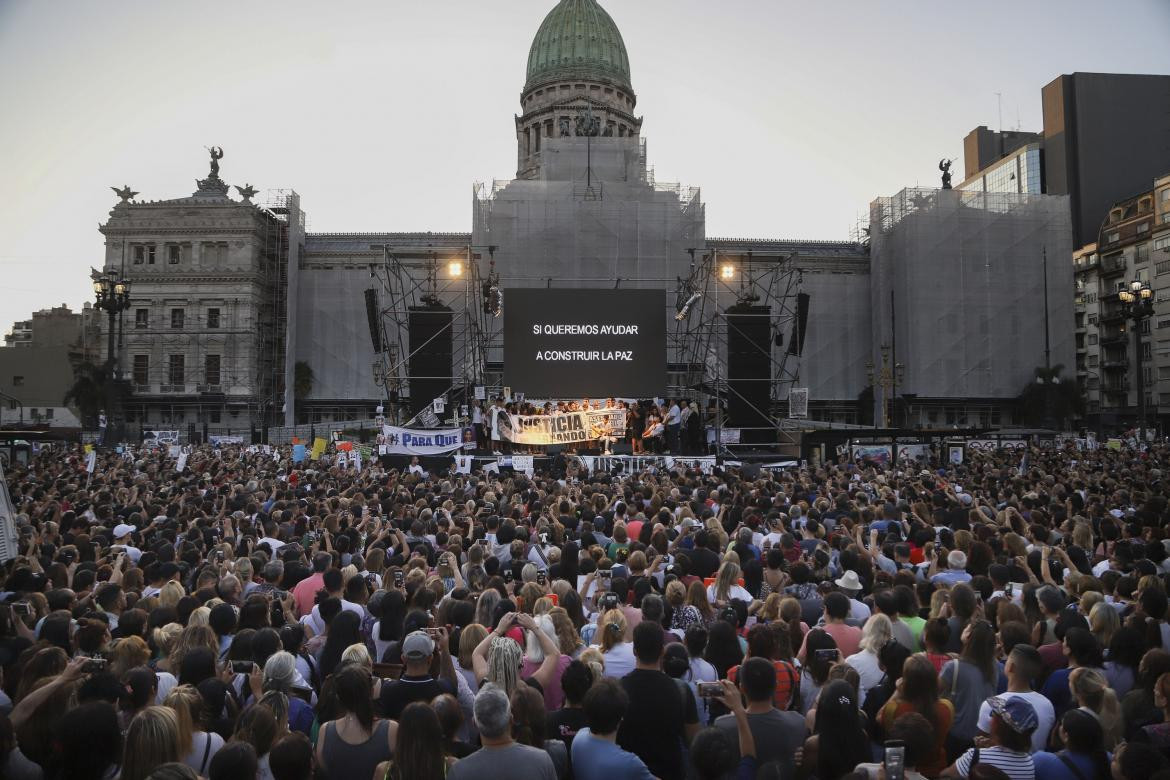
{"x":704,"y":560}
{"x":662,"y":714}
{"x":563,"y":724}
{"x":417,"y":682}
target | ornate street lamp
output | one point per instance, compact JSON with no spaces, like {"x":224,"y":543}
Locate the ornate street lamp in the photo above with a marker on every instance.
{"x":1138,"y":303}
{"x":112,"y":295}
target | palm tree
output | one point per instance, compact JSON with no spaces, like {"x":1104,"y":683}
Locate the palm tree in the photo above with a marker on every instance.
{"x":88,"y":392}
{"x":1050,"y":400}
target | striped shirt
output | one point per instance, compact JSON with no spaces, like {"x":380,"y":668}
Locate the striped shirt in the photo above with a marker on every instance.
{"x":1017,"y":766}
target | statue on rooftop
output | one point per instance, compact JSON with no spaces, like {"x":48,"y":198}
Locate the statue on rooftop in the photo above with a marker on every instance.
{"x":944,"y":165}
{"x":216,"y":156}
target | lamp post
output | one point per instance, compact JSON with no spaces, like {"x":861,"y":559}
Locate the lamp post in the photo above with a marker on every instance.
{"x":113,"y":296}
{"x":1138,"y":302}
{"x":889,"y":377}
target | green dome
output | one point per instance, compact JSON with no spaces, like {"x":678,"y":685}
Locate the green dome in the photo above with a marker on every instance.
{"x":578,"y":40}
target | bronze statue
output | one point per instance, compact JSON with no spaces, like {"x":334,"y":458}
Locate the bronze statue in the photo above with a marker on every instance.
{"x":247,"y":192}
{"x":125,"y":193}
{"x":944,"y":165}
{"x":587,"y":124}
{"x":216,"y":155}
{"x":564,"y":123}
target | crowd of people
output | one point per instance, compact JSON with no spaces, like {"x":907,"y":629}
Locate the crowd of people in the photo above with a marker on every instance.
{"x":255,"y":618}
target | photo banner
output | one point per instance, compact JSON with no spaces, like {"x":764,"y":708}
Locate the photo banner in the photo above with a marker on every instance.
{"x":405,"y":441}
{"x":559,"y":427}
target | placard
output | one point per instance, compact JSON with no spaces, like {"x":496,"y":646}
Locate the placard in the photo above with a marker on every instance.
{"x":406,"y":441}
{"x":558,"y":428}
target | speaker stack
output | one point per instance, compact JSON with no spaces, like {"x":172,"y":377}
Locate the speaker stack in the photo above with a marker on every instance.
{"x":430,"y":330}
{"x":749,"y":371}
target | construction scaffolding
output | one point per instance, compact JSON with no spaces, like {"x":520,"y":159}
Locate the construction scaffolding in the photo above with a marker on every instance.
{"x":958,"y":281}
{"x":406,"y":283}
{"x":738,"y":296}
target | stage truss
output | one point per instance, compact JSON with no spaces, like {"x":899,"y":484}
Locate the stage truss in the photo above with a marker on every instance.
{"x":718,"y":281}
{"x":409,"y":278}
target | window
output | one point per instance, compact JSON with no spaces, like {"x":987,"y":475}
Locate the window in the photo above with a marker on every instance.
{"x":1147,"y":351}
{"x":1162,"y":268}
{"x":214,"y":415}
{"x":213,"y":318}
{"x":1145,"y":327}
{"x":1141,"y":254}
{"x":141,"y":369}
{"x":1148,"y":375}
{"x":48,"y":413}
{"x":1162,"y":242}
{"x":1143,"y":227}
{"x":211,"y":369}
{"x":1092,"y":338}
{"x":1093,"y":361}
{"x":176,"y":318}
{"x":139,"y":255}
{"x":175,"y":369}
{"x":150,"y":254}
{"x":17,"y":381}
{"x":1092,"y":319}
{"x":141,"y":318}
{"x":174,"y":253}
{"x":1164,"y":195}
{"x":1112,"y":238}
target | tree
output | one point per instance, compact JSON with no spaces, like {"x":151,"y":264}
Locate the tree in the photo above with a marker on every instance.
{"x":88,"y":392}
{"x":1051,"y":400}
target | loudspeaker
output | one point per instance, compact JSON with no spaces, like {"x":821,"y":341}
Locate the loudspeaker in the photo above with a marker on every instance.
{"x":430,"y":354}
{"x":749,"y":367}
{"x":372,"y":319}
{"x":621,"y":448}
{"x":796,"y":343}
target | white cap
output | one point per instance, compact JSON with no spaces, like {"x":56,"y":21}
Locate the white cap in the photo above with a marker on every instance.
{"x":122,"y":529}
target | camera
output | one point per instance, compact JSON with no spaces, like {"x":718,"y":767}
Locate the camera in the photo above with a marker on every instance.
{"x":507,"y":575}
{"x":94,"y":664}
{"x":399,"y":578}
{"x":605,"y":574}
{"x":540,"y":578}
{"x":895,"y":760}
{"x":709,"y":690}
{"x":609,"y":601}
{"x":22,"y":608}
{"x":243,"y":667}
{"x":828,"y":655}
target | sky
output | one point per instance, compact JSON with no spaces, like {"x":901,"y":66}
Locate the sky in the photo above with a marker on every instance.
{"x":791,"y":116}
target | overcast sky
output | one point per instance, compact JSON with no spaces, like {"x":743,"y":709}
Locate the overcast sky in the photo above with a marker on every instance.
{"x":790,"y":115}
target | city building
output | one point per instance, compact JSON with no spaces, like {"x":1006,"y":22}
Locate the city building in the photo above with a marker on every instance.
{"x":33,"y":384}
{"x":59,"y":326}
{"x":1104,"y":136}
{"x":241,"y":318}
{"x":1133,"y":244}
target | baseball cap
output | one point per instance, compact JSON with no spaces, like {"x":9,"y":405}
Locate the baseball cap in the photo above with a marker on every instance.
{"x":417,"y":646}
{"x":122,"y":529}
{"x":1017,"y":713}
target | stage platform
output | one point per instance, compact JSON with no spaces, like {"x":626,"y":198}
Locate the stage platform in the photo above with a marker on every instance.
{"x":609,"y":464}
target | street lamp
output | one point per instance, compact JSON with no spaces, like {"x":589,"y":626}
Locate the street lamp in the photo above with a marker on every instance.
{"x":1138,"y":305}
{"x":888,"y":378}
{"x":112,"y":294}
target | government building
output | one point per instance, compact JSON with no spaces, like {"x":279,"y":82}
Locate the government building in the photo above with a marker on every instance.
{"x":241,"y":319}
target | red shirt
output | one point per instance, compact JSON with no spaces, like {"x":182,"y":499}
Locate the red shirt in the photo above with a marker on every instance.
{"x":306,"y":591}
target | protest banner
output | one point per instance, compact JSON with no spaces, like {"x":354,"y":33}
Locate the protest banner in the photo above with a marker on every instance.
{"x":406,"y":441}
{"x":559,"y":427}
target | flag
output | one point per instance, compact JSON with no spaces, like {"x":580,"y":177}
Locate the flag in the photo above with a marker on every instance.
{"x":9,"y":541}
{"x":91,"y":461}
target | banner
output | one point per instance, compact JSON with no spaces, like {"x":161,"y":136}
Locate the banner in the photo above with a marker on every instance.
{"x":405,"y":441}
{"x":319,"y":445}
{"x":91,"y":461}
{"x":798,"y":403}
{"x":559,"y":427}
{"x":181,"y":466}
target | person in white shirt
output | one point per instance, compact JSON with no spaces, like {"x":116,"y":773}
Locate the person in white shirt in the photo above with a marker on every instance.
{"x":122,"y":540}
{"x":877,"y":632}
{"x":1022,"y":665}
{"x":726,"y":586}
{"x":850,"y":584}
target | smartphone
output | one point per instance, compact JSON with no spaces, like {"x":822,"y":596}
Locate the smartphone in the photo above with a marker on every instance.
{"x":94,"y":664}
{"x":280,"y":595}
{"x":399,"y":579}
{"x":219,"y":556}
{"x":895,"y":760}
{"x":544,"y":538}
{"x":507,"y":575}
{"x":605,"y":574}
{"x":710,"y":690}
{"x":484,"y":542}
{"x":22,"y":608}
{"x":434,"y":633}
{"x":540,"y":578}
{"x":243,"y":667}
{"x":828,"y":655}
{"x":1008,"y":590}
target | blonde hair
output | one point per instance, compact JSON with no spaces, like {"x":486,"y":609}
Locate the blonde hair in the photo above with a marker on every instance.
{"x":170,"y":594}
{"x":727,"y":578}
{"x":151,"y":741}
{"x":127,"y":653}
{"x":192,"y":637}
{"x":771,"y":609}
{"x":187,"y":704}
{"x":613,"y":629}
{"x":567,"y":637}
{"x":164,"y":638}
{"x":201,"y":616}
{"x":595,"y":660}
{"x":504,"y":656}
{"x":1090,"y":688}
{"x":877,"y":632}
{"x":357,"y":653}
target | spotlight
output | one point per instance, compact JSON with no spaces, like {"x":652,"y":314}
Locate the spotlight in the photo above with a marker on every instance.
{"x":455,"y":269}
{"x":727,"y":272}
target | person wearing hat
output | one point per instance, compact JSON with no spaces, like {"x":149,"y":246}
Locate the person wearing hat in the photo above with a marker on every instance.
{"x":121,"y":536}
{"x":1013,"y":719}
{"x":850,"y":585}
{"x":417,"y":683}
